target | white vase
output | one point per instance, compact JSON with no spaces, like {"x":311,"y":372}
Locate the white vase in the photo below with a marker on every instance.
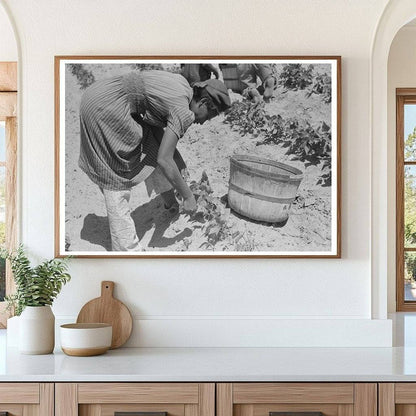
{"x":13,"y":331}
{"x":37,"y":330}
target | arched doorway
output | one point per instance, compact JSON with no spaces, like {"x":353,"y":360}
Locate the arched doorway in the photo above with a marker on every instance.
{"x":8,"y":149}
{"x":396,"y":14}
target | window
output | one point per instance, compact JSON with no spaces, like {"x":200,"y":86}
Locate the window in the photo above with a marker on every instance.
{"x":406,"y":199}
{"x":8,"y":170}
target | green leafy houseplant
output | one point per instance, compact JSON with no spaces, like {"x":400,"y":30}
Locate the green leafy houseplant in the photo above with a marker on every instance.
{"x":35,"y":286}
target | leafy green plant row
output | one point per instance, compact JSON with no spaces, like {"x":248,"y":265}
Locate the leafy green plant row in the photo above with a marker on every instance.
{"x":322,"y":86}
{"x":84,"y":77}
{"x":296,"y":76}
{"x":300,"y":77}
{"x":302,"y":140}
{"x":212,"y":217}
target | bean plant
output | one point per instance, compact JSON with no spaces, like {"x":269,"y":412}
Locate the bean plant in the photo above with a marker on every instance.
{"x":305,"y":142}
{"x":213,"y":218}
{"x":84,"y":77}
{"x":296,"y":76}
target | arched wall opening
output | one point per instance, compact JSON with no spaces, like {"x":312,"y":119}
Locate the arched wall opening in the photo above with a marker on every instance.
{"x":401,"y":74}
{"x":9,"y":148}
{"x":396,"y":15}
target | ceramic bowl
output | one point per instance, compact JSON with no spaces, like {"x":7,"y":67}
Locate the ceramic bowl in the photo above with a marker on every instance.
{"x":83,"y":340}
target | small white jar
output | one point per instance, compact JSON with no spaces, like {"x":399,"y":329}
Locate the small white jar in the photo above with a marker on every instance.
{"x":13,"y":332}
{"x":37,"y":330}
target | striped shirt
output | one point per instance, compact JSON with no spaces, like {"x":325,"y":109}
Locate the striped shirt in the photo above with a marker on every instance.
{"x":118,"y":149}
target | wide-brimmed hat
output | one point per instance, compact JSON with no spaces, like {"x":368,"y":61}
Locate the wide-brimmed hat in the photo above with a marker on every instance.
{"x":217,"y":91}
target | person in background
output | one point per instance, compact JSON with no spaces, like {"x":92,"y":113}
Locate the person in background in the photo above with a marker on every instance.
{"x":130,"y":126}
{"x":249,"y":87}
{"x":198,"y":72}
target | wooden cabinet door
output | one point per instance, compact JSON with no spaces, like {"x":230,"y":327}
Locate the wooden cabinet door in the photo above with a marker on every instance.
{"x":153,"y":399}
{"x":397,"y":399}
{"x":297,"y":399}
{"x":27,"y":399}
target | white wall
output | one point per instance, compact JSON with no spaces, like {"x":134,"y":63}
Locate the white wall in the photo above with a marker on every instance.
{"x":179,"y":302}
{"x":401,"y":74}
{"x":8,"y":47}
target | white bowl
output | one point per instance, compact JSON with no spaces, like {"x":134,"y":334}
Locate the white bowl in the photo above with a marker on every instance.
{"x":83,"y":340}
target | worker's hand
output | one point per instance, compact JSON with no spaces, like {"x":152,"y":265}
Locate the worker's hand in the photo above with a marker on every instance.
{"x":185,"y":174}
{"x":269,"y":86}
{"x":189,"y":205}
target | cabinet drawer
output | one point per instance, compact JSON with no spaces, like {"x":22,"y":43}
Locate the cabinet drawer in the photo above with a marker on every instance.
{"x":19,"y":393}
{"x":138,"y":393}
{"x":108,"y":399}
{"x":297,"y":399}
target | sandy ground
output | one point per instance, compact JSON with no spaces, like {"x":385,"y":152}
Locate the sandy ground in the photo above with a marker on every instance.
{"x":207,"y":147}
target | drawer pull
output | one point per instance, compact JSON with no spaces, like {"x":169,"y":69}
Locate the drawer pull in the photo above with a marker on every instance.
{"x":296,"y":414}
{"x":139,"y":414}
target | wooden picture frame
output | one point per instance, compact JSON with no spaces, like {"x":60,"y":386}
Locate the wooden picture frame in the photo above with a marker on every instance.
{"x":291,"y":141}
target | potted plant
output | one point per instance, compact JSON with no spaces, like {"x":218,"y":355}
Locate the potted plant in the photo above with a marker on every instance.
{"x":36,"y":289}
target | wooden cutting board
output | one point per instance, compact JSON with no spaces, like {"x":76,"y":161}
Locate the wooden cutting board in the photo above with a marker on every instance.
{"x":107,"y":309}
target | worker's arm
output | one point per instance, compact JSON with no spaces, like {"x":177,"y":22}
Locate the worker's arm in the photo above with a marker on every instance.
{"x":213,"y":69}
{"x":167,"y":164}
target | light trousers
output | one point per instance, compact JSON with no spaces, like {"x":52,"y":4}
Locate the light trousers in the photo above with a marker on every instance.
{"x":122,"y":228}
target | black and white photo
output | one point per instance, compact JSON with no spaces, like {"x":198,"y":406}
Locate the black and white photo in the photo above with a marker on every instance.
{"x":204,"y":157}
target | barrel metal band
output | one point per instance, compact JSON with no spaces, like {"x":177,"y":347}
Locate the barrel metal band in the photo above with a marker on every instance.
{"x":261,"y":197}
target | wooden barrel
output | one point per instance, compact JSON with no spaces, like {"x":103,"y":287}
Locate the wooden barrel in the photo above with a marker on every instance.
{"x":262,"y":189}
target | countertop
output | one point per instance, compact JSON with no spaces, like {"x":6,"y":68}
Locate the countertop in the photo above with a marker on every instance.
{"x":212,"y":365}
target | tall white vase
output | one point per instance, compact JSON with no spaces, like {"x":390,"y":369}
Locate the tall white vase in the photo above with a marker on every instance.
{"x":13,"y":331}
{"x":37,"y":330}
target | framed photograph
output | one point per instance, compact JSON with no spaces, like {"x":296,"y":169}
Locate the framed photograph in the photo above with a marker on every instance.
{"x":198,"y":156}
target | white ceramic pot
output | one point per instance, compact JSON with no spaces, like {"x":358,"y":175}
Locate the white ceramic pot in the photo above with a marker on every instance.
{"x":37,"y":330}
{"x":86,"y":339}
{"x":13,"y":331}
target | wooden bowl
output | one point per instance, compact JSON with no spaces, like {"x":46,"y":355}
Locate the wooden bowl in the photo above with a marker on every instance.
{"x":84,"y":340}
